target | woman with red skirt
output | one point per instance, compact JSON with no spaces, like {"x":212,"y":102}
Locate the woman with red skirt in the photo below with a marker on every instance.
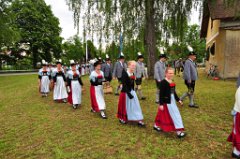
{"x":168,"y":117}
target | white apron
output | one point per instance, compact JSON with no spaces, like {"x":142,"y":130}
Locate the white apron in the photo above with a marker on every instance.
{"x":60,"y":91}
{"x":45,"y":84}
{"x":100,"y":97}
{"x":76,"y":89}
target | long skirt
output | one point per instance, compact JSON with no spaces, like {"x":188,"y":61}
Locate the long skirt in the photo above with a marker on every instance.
{"x":83,"y":71}
{"x":234,"y":137}
{"x":97,"y":98}
{"x":129,"y":109}
{"x":45,"y":82}
{"x":75,"y":94}
{"x":169,"y":119}
{"x":60,"y":91}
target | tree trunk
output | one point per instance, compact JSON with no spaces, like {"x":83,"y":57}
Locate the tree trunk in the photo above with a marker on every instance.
{"x":34,"y":57}
{"x":150,"y":36}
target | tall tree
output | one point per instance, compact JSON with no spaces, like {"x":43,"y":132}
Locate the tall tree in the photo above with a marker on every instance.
{"x":8,"y":32}
{"x":73,"y":49}
{"x":39,"y":28}
{"x":131,"y":17}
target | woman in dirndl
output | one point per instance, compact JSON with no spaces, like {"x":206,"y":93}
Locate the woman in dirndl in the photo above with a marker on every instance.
{"x":129,"y":109}
{"x":234,"y":137}
{"x":96,"y":90}
{"x":44,"y":77}
{"x":168,"y":117}
{"x":59,"y":79}
{"x":74,"y":86}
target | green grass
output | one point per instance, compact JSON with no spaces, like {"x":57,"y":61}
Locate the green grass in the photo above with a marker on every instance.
{"x":35,"y":127}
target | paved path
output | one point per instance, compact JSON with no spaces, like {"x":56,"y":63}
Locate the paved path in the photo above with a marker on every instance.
{"x":19,"y":73}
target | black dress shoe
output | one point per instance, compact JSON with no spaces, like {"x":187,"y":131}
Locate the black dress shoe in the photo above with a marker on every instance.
{"x":141,"y":124}
{"x":181,"y":135}
{"x":235,"y":156}
{"x":122,"y":122}
{"x":116,"y":94}
{"x":143,"y":98}
{"x":103,"y":116}
{"x":93,"y":111}
{"x":193,"y":106}
{"x":157,"y":129}
{"x":74,"y":106}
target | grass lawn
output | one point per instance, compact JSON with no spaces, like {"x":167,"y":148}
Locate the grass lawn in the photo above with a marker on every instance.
{"x":36,"y":127}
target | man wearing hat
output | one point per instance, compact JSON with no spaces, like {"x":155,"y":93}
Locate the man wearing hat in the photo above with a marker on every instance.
{"x":107,"y":71}
{"x":159,"y":72}
{"x":117,"y":71}
{"x":140,"y":73}
{"x":190,"y":75}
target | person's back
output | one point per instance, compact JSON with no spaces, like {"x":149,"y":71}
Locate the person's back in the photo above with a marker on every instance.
{"x":190,"y":71}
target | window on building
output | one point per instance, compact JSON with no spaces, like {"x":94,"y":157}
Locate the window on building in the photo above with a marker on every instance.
{"x":212,"y":49}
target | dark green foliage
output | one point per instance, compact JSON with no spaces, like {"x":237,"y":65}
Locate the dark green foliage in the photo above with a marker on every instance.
{"x":39,"y":28}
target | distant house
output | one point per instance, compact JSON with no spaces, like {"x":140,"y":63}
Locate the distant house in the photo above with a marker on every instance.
{"x":221,"y":28}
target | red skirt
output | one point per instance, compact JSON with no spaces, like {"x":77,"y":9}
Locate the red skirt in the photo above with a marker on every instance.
{"x":70,"y":101}
{"x":235,"y":138}
{"x":93,"y":99}
{"x":122,"y":110}
{"x":164,"y":120}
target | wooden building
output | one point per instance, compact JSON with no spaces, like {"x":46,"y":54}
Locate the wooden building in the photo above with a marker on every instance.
{"x":221,"y":28}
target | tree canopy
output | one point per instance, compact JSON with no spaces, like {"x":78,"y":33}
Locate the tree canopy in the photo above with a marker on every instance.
{"x":39,"y":29}
{"x":149,"y":21}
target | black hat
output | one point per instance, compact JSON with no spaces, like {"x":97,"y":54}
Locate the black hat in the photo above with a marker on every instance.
{"x":121,"y":56}
{"x":107,"y":58}
{"x":72,"y":63}
{"x":140,"y":55}
{"x":44,"y":63}
{"x":192,"y":53}
{"x":97,"y":63}
{"x":59,"y":62}
{"x":162,"y":56}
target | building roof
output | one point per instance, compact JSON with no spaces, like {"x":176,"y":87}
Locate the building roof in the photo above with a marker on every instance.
{"x":218,"y":9}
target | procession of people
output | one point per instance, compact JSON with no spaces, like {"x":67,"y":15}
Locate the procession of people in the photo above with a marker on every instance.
{"x":67,"y":85}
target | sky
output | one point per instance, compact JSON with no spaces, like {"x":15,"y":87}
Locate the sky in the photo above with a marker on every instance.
{"x":65,"y":16}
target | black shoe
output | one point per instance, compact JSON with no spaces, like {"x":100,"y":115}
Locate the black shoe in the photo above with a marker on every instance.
{"x":181,"y":135}
{"x":157,"y":102}
{"x":93,"y":111}
{"x":122,"y":122}
{"x":193,"y":106}
{"x":143,"y":98}
{"x":116,"y":94}
{"x":64,"y":101}
{"x":103,"y":115}
{"x":235,"y":156}
{"x":74,"y":106}
{"x":141,"y":124}
{"x":157,"y":129}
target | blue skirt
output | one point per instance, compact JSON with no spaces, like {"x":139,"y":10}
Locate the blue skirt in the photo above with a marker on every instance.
{"x":134,"y":111}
